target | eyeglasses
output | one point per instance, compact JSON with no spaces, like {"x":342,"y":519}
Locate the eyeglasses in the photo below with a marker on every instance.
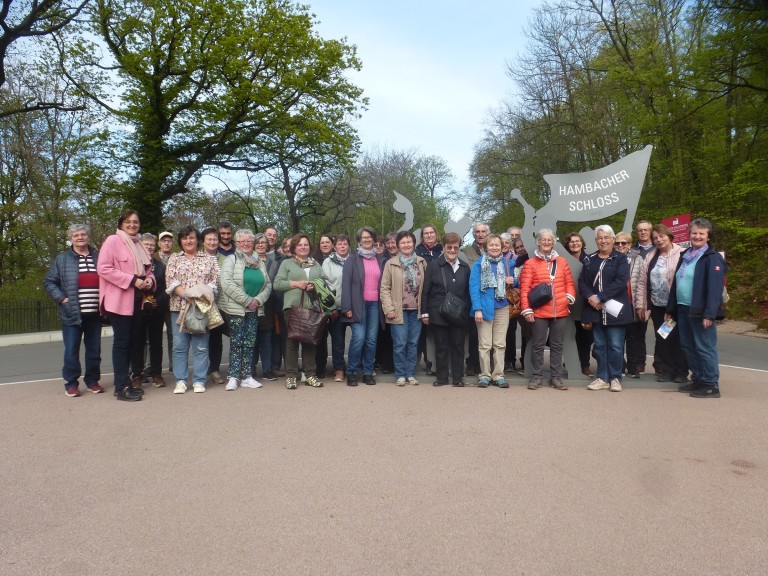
{"x":622,"y":243}
{"x":451,"y":248}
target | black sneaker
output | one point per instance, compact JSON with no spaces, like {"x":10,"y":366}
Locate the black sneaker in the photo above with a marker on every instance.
{"x":706,"y":391}
{"x":688,"y":388}
{"x":269,"y":376}
{"x":439,"y":383}
{"x":369,"y":379}
{"x":352,"y":380}
{"x":128,"y":395}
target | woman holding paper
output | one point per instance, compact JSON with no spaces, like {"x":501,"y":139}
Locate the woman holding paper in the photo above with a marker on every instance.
{"x":651,"y":298}
{"x":607,"y":310}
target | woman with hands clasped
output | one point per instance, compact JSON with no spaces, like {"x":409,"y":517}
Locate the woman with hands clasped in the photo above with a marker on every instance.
{"x":549,"y":319}
{"x":488,"y":281}
{"x":603,"y":284}
{"x":245,"y":288}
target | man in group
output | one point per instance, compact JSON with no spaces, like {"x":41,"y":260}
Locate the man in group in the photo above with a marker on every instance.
{"x":271,"y":233}
{"x":472,"y":254}
{"x":514,"y":234}
{"x":636,"y":330}
{"x":226,"y":246}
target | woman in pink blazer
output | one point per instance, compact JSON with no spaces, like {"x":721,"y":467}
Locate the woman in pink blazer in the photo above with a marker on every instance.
{"x":125,"y":277}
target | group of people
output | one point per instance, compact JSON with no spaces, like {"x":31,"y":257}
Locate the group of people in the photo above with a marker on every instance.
{"x":392,"y":292}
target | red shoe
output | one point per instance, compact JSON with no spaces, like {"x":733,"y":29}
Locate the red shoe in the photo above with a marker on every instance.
{"x":96,"y":388}
{"x":72,"y":391}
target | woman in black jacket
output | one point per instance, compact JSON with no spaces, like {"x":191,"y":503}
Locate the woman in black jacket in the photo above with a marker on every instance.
{"x":447,"y":273}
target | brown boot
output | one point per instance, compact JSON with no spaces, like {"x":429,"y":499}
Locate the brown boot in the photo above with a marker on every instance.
{"x":158,"y":382}
{"x":136,"y":383}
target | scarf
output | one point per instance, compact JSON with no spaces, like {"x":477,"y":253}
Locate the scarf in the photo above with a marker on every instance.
{"x":688,"y":257}
{"x":338,"y":259}
{"x":140,"y":257}
{"x":409,"y":266}
{"x":308,"y":263}
{"x":250,"y":261}
{"x":487,"y":279}
{"x":367,"y":254}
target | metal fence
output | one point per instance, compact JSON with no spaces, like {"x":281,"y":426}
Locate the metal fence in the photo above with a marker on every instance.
{"x":24,"y":316}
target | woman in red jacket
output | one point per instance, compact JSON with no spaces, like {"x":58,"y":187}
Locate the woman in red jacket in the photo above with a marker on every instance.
{"x":548,"y":319}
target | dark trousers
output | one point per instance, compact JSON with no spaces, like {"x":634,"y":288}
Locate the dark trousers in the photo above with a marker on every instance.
{"x":279,"y":339}
{"x":321,"y":354}
{"x":509,"y":353}
{"x":215,"y":347}
{"x":449,"y":352}
{"x":473,"y":354}
{"x":125,"y":330}
{"x":150,"y":329}
{"x":670,"y":361}
{"x":262,"y":348}
{"x":384,"y":350}
{"x":89,"y":332}
{"x":635,"y":336}
{"x":584,"y":341}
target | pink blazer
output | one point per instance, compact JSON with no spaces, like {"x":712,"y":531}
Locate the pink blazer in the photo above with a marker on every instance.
{"x":116,"y":277}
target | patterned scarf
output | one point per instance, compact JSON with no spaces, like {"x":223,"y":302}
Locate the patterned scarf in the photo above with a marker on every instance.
{"x":688,"y":257}
{"x":367,"y":254}
{"x":251,"y":261}
{"x":308,"y":263}
{"x":409,"y":266}
{"x":487,"y":278}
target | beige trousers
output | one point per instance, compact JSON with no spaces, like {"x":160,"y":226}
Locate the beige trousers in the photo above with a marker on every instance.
{"x":492,"y":335}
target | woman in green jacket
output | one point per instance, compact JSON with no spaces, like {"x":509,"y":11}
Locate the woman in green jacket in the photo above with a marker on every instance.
{"x":294,"y":279}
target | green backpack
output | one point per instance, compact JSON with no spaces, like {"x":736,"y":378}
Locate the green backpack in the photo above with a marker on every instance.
{"x":326,"y":296}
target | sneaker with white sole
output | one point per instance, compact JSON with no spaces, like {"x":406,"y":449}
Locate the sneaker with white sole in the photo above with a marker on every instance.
{"x":198,"y":387}
{"x":598,"y":384}
{"x":250,"y":382}
{"x":290,"y":383}
{"x":314,"y":382}
{"x":181,"y":387}
{"x":231,"y":384}
{"x":615,"y":385}
{"x":400,"y":382}
{"x":303,"y":377}
{"x":412,"y":381}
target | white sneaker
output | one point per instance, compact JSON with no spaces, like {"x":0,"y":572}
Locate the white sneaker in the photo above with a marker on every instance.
{"x":400,"y":382}
{"x":231,"y":384}
{"x":303,"y":378}
{"x":615,"y":385}
{"x":599,"y":384}
{"x":216,"y":378}
{"x":250,"y":382}
{"x":181,"y":387}
{"x":412,"y":381}
{"x":198,"y":387}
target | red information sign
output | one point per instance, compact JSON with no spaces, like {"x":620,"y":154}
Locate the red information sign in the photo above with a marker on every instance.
{"x":680,"y":226}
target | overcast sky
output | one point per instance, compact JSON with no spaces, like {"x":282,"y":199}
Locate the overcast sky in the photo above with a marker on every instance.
{"x":432,"y":70}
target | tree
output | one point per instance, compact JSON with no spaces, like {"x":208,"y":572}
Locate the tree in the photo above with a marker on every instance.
{"x":211,"y":84}
{"x":23,"y":19}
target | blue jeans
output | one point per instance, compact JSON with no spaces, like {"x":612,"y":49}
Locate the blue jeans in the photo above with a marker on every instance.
{"x":609,"y":351}
{"x":181,"y":345}
{"x":405,"y":344}
{"x":89,"y":332}
{"x":362,"y":345}
{"x":336,"y":329}
{"x":700,"y":347}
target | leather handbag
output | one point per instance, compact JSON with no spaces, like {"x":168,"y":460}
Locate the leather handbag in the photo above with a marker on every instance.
{"x":306,"y":325}
{"x":515,"y":307}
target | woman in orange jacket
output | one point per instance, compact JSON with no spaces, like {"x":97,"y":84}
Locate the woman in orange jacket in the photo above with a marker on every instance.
{"x":548,"y":319}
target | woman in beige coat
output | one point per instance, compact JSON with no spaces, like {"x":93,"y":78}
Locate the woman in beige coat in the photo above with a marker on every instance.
{"x":401,"y":284}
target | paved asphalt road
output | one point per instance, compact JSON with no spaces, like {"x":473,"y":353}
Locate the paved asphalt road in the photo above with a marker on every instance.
{"x":381,"y":480}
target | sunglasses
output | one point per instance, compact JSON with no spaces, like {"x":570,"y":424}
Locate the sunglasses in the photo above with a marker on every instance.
{"x":622,"y":243}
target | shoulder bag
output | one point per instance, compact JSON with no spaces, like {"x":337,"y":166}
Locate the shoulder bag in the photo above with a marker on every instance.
{"x":453,"y":308}
{"x":542,"y":293}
